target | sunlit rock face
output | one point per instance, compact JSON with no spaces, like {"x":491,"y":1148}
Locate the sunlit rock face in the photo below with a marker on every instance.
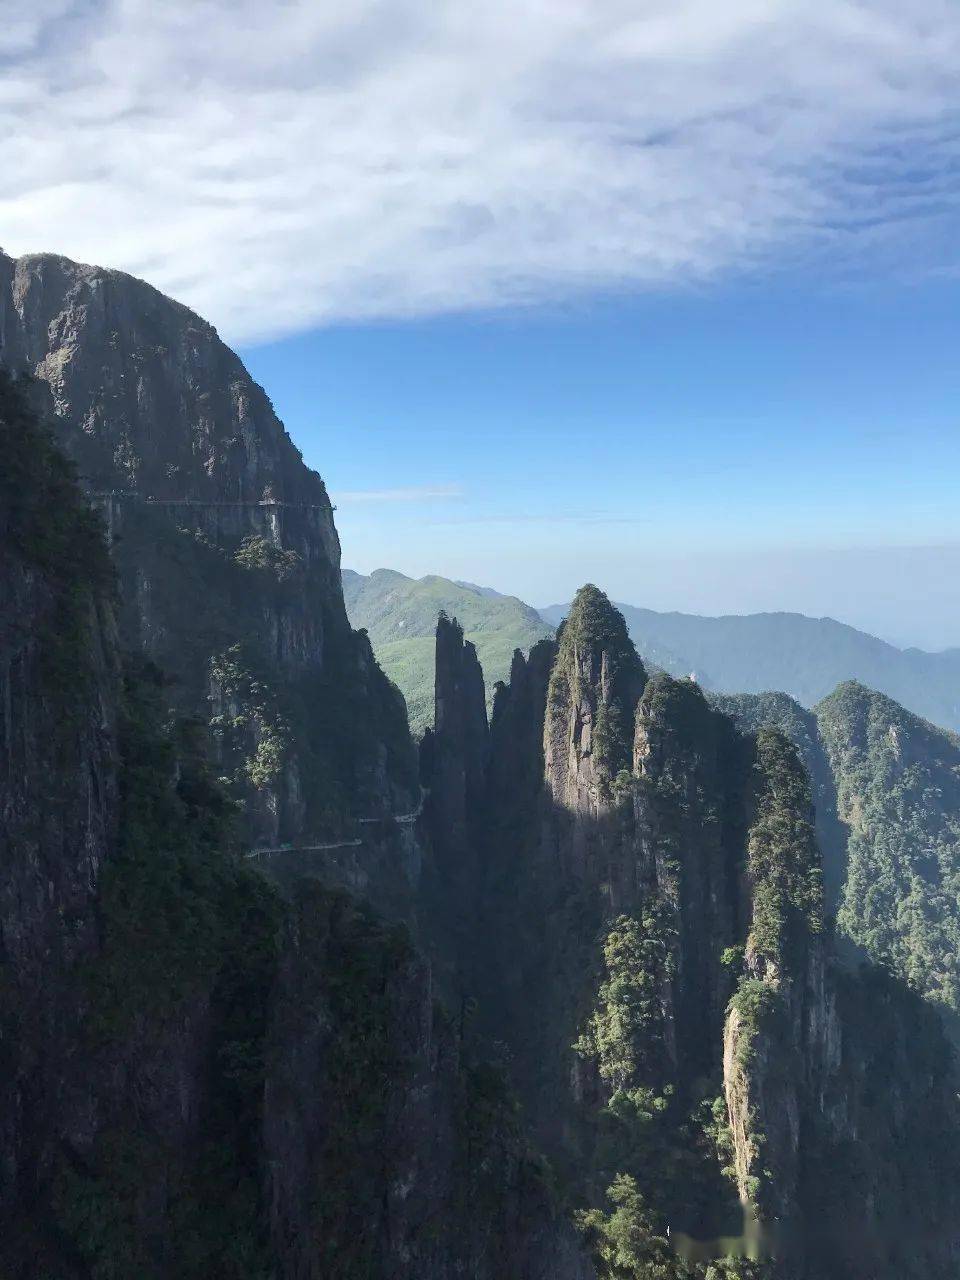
{"x":151,"y":400}
{"x":228,"y":556}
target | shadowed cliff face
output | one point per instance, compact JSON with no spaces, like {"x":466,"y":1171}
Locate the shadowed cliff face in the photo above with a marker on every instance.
{"x":388,"y":1154}
{"x":227,"y":553}
{"x":59,"y":690}
{"x":458,"y":747}
{"x":202,"y":1077}
{"x":653,"y":953}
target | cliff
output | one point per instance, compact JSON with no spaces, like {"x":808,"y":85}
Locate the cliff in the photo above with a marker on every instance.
{"x":658,"y":960}
{"x":457,"y":750}
{"x":204,"y":1076}
{"x":218,"y":1064}
{"x":228,"y":558}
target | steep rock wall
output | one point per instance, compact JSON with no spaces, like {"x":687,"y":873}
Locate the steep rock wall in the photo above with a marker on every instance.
{"x":201,"y":1076}
{"x":659,"y":960}
{"x":228,"y":557}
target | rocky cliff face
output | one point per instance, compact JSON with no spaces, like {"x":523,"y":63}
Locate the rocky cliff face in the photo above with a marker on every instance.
{"x":203,"y":1076}
{"x":149,"y":398}
{"x":59,"y":685}
{"x":211,"y":1071}
{"x":228,"y":557}
{"x":389,"y":1155}
{"x":658,"y":954}
{"x":595,"y":683}
{"x":458,"y":745}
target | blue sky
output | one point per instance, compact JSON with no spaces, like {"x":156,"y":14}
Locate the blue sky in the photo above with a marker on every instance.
{"x":659,"y":293}
{"x":774,"y":444}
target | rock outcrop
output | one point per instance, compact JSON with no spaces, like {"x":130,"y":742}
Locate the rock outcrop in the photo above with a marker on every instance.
{"x":659,"y":960}
{"x":458,"y":746}
{"x":202,"y":1075}
{"x":228,"y":557}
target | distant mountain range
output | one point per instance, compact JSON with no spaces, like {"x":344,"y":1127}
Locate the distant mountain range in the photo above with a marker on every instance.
{"x":752,"y":653}
{"x":789,"y":652}
{"x":400,"y":616}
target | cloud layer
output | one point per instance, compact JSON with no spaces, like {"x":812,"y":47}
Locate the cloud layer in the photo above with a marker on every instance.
{"x":282,"y":163}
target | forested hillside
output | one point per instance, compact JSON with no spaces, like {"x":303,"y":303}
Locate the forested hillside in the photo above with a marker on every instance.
{"x":887,"y":787}
{"x":898,"y":791}
{"x":804,"y":657}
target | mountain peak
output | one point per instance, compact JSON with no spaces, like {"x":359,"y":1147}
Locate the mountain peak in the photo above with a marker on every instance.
{"x":594,"y":623}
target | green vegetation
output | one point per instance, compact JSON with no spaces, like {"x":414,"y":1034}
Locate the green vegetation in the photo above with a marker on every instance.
{"x":898,"y":788}
{"x":596,"y":662}
{"x":659,"y":1140}
{"x":625,"y":1031}
{"x":805,"y":657}
{"x":185,"y":925}
{"x":627,"y":1243}
{"x":783,"y":859}
{"x":754,"y":711}
{"x":263,"y":556}
{"x":45,"y":522}
{"x":255,"y":722}
{"x":400,"y":616}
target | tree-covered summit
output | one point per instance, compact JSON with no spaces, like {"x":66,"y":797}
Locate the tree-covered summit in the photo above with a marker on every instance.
{"x":594,"y":624}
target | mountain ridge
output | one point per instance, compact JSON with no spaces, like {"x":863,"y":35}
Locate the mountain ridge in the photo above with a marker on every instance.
{"x":800,"y":655}
{"x":400,"y":614}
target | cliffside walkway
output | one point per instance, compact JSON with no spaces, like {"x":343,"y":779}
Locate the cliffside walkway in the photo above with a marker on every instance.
{"x":152,"y":500}
{"x":401,"y":819}
{"x":305,"y":848}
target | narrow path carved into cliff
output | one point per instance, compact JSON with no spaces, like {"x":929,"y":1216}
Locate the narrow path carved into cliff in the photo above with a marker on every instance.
{"x":402,"y":819}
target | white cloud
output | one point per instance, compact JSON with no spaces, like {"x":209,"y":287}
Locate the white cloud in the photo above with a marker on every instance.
{"x":415,"y":494}
{"x":281,"y":163}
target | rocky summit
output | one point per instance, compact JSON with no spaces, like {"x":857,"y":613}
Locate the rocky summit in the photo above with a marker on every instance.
{"x":614,"y":982}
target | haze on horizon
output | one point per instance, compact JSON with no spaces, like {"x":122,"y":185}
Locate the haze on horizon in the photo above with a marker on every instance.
{"x":662,"y":297}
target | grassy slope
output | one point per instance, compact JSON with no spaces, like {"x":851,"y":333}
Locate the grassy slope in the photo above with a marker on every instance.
{"x":400,"y":615}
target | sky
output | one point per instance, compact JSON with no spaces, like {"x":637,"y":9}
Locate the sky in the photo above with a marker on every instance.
{"x":657,"y":294}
